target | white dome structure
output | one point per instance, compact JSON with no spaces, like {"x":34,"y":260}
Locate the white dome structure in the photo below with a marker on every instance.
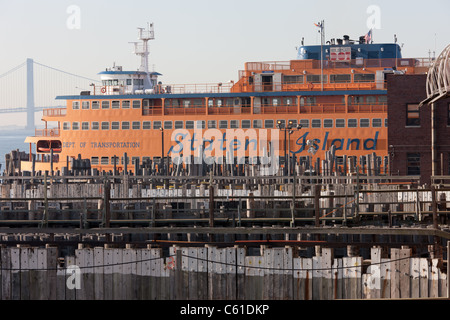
{"x":438,"y":79}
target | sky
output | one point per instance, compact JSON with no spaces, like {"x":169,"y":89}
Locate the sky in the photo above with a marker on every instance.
{"x":204,"y":41}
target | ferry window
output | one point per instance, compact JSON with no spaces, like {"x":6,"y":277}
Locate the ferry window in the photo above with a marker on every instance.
{"x":376,"y":123}
{"x":104,"y":160}
{"x":229,"y":102}
{"x":179,"y":124}
{"x":315,"y":78}
{"x":257,"y":124}
{"x":115,"y":104}
{"x":371,"y":99}
{"x":75,"y":126}
{"x":219,"y":102}
{"x":147,"y":125}
{"x":85,"y":126}
{"x":157,"y":125}
{"x":316,"y":123}
{"x":210,"y":103}
{"x":125,"y":125}
{"x":223,"y":124}
{"x":386,"y":122}
{"x":364,"y":77}
{"x":95,"y":125}
{"x":94,"y":160}
{"x":358,"y":100}
{"x":412,"y":115}
{"x":268,"y":124}
{"x":281,"y":123}
{"x":200,"y":124}
{"x":136,"y":104}
{"x":382,"y":99}
{"x":186,"y":103}
{"x":95,"y":105}
{"x":189,"y":124}
{"x":138,"y":82}
{"x":352,"y":123}
{"x":340,"y":78}
{"x":126,"y":104}
{"x":105,"y":125}
{"x":105,"y":104}
{"x":304,"y":123}
{"x":175,"y":103}
{"x":328,"y":123}
{"x":114,"y":160}
{"x":288,"y":101}
{"x":198,"y":103}
{"x":75,"y":105}
{"x":85,"y":105}
{"x":292,"y":122}
{"x":413,"y":164}
{"x":122,"y":160}
{"x":310,"y":101}
{"x":115,"y":125}
{"x":129,"y":82}
{"x":340,"y":123}
{"x":212,"y":124}
{"x":293,"y":79}
{"x":246,"y":124}
{"x":234,"y":124}
{"x":364,"y":123}
{"x":66,"y":126}
{"x":136,"y":125}
{"x":168,"y":125}
{"x":275,"y":102}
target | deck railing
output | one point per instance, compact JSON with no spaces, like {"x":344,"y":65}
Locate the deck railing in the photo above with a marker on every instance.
{"x":47,"y":132}
{"x":55,"y":112}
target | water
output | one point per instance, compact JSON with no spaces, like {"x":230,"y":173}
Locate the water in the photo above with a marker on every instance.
{"x":12,"y":140}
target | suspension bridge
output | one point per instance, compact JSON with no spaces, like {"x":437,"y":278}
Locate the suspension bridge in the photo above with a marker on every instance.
{"x":32,"y":86}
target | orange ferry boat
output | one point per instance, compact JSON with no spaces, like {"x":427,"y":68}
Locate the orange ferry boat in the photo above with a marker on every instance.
{"x":333,"y":94}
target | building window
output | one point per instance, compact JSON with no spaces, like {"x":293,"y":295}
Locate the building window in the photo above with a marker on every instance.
{"x":115,"y":125}
{"x":75,"y":105}
{"x":340,"y":123}
{"x":105,"y":125}
{"x":412,"y":115}
{"x":75,"y":126}
{"x":386,"y":122}
{"x":95,"y":105}
{"x":413,"y":164}
{"x":66,"y":126}
{"x":126,"y":125}
{"x":85,"y":126}
{"x":147,"y":125}
{"x":95,"y":125}
{"x":136,"y":125}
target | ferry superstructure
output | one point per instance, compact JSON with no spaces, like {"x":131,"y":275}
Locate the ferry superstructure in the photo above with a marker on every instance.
{"x":332,"y":94}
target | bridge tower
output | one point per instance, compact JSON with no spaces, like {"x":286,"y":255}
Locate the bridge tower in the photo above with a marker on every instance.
{"x":30,"y":94}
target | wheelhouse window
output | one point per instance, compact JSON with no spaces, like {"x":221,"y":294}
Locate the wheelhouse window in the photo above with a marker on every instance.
{"x":412,"y":115}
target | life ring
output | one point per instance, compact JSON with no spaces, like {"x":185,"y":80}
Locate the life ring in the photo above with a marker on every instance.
{"x":103,"y":90}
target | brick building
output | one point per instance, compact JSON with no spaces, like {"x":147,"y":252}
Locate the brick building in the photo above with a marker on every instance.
{"x":409,"y":128}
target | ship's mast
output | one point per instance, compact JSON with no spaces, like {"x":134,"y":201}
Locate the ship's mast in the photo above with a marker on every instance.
{"x":141,"y":49}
